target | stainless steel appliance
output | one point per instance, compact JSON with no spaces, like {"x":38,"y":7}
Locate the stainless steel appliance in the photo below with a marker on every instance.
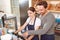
{"x":23,"y":4}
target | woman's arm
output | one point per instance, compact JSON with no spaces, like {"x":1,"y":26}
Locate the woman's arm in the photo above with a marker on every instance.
{"x":21,"y":27}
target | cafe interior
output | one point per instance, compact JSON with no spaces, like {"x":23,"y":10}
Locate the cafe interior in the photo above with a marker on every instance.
{"x":13,"y":14}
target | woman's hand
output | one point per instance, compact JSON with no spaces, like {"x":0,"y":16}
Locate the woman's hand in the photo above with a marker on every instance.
{"x":15,"y":32}
{"x":25,"y":34}
{"x":27,"y":39}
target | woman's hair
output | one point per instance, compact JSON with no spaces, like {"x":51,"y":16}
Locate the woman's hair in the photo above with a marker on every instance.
{"x":44,"y":3}
{"x":31,"y":9}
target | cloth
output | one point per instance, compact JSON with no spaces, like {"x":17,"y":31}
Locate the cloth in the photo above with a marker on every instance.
{"x":6,"y":37}
{"x":8,"y":15}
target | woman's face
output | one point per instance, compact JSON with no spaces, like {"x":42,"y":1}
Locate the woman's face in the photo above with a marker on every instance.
{"x":30,"y":13}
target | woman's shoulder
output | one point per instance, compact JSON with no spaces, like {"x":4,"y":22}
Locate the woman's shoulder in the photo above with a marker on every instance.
{"x":28,"y":18}
{"x":38,"y":19}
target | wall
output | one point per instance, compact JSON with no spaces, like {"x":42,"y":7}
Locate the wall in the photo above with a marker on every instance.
{"x":5,"y":6}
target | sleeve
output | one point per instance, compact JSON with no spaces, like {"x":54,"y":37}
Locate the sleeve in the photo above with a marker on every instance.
{"x":46,"y":27}
{"x":28,"y":20}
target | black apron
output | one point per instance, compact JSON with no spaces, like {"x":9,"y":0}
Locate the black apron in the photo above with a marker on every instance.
{"x":31,"y":27}
{"x":47,"y":37}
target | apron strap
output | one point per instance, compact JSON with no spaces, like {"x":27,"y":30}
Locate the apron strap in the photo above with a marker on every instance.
{"x":34,"y":21}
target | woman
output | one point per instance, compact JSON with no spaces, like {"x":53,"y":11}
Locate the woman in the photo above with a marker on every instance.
{"x":32,"y":23}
